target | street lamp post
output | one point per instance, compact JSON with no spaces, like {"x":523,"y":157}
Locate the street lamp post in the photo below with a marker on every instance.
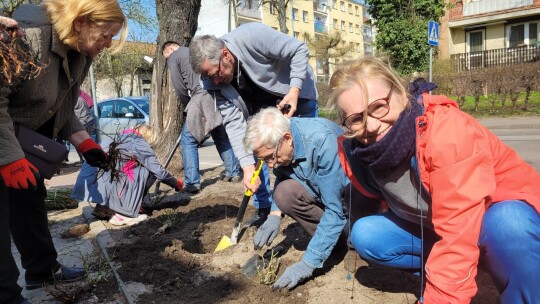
{"x":94,"y":100}
{"x":292,"y":18}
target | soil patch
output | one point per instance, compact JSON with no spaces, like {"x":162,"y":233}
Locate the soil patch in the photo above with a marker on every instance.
{"x":172,"y":255}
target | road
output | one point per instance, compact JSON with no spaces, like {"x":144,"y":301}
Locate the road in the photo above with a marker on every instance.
{"x":520,"y":133}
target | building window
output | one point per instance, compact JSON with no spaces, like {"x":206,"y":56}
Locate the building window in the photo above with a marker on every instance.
{"x":356,"y":10}
{"x":358,"y":47}
{"x":357,"y":29}
{"x":272,"y":8}
{"x":295,"y":14}
{"x":335,"y":24}
{"x":533,"y":34}
{"x":342,"y":25}
{"x":305,"y":16}
{"x":475,"y":48}
{"x":350,"y":27}
{"x":524,"y":34}
{"x":296,"y":35}
{"x":517,"y":35}
{"x":351,"y":46}
{"x":342,"y":6}
{"x":349,"y":9}
{"x":334,"y":4}
{"x":366,"y":30}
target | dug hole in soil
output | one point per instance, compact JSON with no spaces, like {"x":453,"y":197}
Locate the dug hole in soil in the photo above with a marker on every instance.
{"x":172,"y":255}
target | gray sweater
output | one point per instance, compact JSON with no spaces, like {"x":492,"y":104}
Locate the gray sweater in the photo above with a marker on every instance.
{"x":202,"y":116}
{"x":275,"y":62}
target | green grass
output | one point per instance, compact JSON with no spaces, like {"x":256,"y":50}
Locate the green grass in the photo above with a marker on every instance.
{"x":329,"y":114}
{"x":484,"y":107}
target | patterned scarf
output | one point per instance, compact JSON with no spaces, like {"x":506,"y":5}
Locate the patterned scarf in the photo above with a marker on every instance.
{"x":394,"y":147}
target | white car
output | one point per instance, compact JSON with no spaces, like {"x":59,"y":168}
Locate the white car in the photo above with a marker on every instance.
{"x":119,"y":114}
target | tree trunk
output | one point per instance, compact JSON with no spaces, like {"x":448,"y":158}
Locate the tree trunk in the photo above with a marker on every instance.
{"x":281,"y":7}
{"x":178,"y":22}
{"x":528,"y":90}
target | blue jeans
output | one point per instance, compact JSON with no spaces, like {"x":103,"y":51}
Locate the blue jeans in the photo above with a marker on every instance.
{"x":263,"y":197}
{"x":509,"y":246}
{"x":190,"y":155}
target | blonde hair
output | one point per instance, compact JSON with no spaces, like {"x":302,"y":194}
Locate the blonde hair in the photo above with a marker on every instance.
{"x":354,"y":72}
{"x":63,"y":14}
{"x":147,"y":133}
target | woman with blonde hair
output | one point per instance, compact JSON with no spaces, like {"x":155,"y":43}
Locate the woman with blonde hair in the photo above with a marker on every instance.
{"x":134,"y":167}
{"x":62,"y":36}
{"x":455,"y":194}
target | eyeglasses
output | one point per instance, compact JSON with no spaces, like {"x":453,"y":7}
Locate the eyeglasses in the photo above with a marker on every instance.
{"x":379,"y":108}
{"x":218,"y":72}
{"x":273,"y":158}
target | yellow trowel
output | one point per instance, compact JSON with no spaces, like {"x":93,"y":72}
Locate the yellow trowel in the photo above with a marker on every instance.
{"x":225,"y":240}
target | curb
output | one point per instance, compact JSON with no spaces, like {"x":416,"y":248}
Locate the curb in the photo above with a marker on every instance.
{"x":104,"y":241}
{"x":514,"y":126}
{"x":515,"y":122}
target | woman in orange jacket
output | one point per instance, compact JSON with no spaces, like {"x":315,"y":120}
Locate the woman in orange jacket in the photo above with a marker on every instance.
{"x":456,"y":194}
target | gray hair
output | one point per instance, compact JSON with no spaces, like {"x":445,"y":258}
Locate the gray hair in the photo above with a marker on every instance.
{"x":266,"y":128}
{"x":206,"y":47}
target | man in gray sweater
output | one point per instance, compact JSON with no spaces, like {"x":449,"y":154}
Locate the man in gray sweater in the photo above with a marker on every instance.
{"x":250,"y":68}
{"x":200,"y":119}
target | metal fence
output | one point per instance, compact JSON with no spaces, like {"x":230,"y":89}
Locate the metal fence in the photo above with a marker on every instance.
{"x":494,"y":58}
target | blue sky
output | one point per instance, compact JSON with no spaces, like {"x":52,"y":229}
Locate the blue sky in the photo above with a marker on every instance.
{"x":136,"y":31}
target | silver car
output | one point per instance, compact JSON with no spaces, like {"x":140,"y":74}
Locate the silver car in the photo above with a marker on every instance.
{"x":119,"y":114}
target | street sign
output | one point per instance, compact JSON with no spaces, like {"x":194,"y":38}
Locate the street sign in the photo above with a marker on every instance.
{"x":433,"y":33}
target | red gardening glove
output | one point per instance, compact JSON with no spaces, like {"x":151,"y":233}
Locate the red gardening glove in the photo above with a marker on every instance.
{"x":93,"y":154}
{"x":179,"y":185}
{"x":20,"y":174}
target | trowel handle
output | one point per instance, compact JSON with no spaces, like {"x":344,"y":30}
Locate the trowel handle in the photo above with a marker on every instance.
{"x":260,"y":162}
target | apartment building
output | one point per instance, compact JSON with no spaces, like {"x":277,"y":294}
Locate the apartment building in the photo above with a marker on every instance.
{"x":317,"y":17}
{"x":485,"y":33}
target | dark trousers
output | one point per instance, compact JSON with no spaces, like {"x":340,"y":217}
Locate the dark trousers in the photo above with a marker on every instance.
{"x":295,"y":201}
{"x":23,"y":213}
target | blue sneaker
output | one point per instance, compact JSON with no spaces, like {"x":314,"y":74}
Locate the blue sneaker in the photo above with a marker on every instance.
{"x":64,"y":274}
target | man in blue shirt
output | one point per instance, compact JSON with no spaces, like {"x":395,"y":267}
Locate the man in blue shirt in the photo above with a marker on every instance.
{"x":309,"y":182}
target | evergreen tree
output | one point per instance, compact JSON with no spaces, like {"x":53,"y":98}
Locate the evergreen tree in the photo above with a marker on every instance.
{"x":402,"y":27}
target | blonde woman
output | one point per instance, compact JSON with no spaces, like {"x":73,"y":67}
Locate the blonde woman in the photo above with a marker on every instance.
{"x":64,"y":36}
{"x":456,"y":194}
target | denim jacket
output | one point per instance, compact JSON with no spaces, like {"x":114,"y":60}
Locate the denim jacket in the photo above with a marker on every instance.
{"x":317,"y":167}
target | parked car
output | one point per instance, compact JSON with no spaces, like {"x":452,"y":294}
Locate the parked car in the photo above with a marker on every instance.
{"x":119,"y":114}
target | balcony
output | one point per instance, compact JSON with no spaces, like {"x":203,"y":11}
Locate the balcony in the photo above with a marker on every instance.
{"x":321,"y":28}
{"x":472,"y":8}
{"x":249,"y":10}
{"x":368,"y":38}
{"x":320,"y":7}
{"x":494,"y":58}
